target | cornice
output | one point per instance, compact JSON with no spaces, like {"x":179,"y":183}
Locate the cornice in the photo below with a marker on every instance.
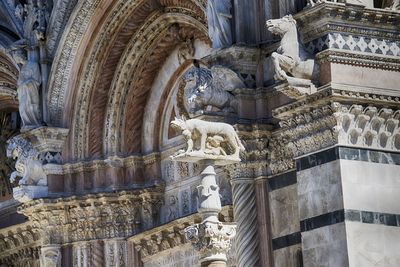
{"x":338,"y":17}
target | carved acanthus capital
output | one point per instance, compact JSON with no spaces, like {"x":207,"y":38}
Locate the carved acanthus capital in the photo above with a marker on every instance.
{"x":212,"y":239}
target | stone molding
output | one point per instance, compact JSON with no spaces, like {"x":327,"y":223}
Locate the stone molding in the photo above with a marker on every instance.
{"x":168,"y":236}
{"x":332,"y":124}
{"x":347,"y":19}
{"x":58,"y":20}
{"x":162,"y":238}
{"x":366,"y":60}
{"x":368,"y":127}
{"x":28,"y":256}
{"x":131,"y":161}
{"x":354,"y":43}
{"x":101,"y":216}
{"x":64,"y":57}
{"x":352,"y":35}
{"x":18,"y":240}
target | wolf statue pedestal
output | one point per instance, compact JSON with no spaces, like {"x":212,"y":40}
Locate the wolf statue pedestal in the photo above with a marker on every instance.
{"x":217,"y":144}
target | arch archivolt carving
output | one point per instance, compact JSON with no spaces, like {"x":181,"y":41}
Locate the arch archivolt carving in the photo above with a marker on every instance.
{"x":89,"y":100}
{"x":117,"y":110}
{"x":8,"y":82}
{"x":67,"y":57}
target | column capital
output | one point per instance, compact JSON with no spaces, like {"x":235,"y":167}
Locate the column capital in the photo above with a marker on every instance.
{"x":212,"y":239}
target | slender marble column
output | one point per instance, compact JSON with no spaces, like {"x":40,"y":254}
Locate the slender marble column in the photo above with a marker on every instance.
{"x":211,"y":237}
{"x":264,"y":222}
{"x":245,"y":215}
{"x":98,"y":253}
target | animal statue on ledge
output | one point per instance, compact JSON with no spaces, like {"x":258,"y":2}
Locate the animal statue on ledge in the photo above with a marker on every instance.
{"x":291,"y":61}
{"x":211,"y":139}
{"x":27,"y":166}
{"x":204,"y":87}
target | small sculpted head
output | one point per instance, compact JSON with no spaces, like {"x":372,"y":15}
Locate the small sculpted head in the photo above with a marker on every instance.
{"x":178,"y":124}
{"x":282,"y":25}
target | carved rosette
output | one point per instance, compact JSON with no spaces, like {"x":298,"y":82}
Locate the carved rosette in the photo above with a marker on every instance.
{"x":212,"y":239}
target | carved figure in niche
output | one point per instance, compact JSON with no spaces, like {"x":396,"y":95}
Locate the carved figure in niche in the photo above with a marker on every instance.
{"x":204,"y":87}
{"x":219,"y":22}
{"x":196,"y":132}
{"x":28,"y":83}
{"x":291,"y":61}
{"x":27,"y":166}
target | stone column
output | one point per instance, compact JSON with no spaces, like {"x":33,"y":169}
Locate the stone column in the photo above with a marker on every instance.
{"x":211,"y":238}
{"x":98,"y":253}
{"x":245,"y":215}
{"x":115,"y":253}
{"x":264,"y":222}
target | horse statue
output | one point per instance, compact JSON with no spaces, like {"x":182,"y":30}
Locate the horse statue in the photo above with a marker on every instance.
{"x":204,"y":87}
{"x":291,"y":61}
{"x":27,"y":166}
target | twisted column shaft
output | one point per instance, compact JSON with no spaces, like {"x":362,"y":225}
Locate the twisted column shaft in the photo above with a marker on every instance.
{"x":245,"y":214}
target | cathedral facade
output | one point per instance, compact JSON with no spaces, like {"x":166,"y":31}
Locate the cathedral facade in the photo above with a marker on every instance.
{"x":200,"y":133}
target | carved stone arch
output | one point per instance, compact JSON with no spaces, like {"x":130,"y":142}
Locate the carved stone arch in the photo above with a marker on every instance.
{"x":159,"y":97}
{"x":68,"y":97}
{"x":84,"y":19}
{"x":135,"y":92}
